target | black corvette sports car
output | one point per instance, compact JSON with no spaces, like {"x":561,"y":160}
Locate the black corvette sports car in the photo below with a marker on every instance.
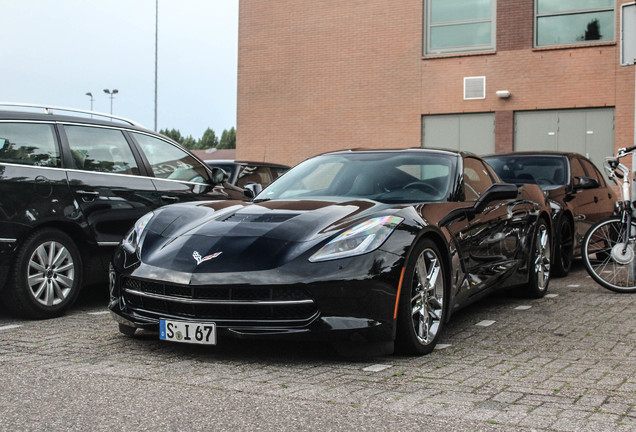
{"x":356,"y":247}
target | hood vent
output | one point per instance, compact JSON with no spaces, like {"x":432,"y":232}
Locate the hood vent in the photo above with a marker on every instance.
{"x":262,"y":217}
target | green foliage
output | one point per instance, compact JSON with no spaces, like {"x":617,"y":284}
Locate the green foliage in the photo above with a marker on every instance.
{"x":174,"y":134}
{"x":228,"y":139}
{"x":208,"y":140}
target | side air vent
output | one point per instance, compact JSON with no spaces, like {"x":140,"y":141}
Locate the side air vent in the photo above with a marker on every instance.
{"x":474,"y":88}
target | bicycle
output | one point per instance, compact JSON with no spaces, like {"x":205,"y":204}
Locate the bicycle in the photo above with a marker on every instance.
{"x":608,"y":249}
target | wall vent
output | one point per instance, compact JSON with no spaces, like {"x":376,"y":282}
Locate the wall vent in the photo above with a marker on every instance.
{"x":474,"y":87}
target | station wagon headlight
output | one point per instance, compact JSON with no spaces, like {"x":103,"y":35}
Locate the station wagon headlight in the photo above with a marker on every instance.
{"x":362,"y":238}
{"x":133,"y":239}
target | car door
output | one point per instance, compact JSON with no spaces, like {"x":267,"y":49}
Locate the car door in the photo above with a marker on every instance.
{"x":33,"y":185}
{"x":107,"y":181}
{"x":604,"y":198}
{"x":490,"y":239}
{"x":588,"y":205}
{"x":177,"y":175}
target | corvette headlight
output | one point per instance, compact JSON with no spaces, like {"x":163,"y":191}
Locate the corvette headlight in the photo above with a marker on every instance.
{"x":133,"y":239}
{"x":362,"y":238}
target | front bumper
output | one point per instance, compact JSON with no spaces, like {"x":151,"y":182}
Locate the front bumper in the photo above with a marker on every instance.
{"x":344,"y":300}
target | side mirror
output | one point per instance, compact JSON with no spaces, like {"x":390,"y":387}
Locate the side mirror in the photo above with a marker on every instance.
{"x":218,"y":175}
{"x":496,"y":192}
{"x":251,"y":190}
{"x":586,"y":183}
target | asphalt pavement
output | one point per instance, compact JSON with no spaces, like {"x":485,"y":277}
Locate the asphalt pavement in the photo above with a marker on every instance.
{"x":566,"y":362}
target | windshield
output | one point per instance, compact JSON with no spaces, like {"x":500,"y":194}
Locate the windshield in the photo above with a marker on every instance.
{"x":399,"y":177}
{"x":549,"y":172}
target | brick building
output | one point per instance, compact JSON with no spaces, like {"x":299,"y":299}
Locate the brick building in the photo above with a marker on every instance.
{"x":333,"y":74}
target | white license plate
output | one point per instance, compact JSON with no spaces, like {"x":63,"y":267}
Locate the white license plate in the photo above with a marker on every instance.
{"x":187,"y":332}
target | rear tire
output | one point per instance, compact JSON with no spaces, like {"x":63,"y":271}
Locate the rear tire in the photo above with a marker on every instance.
{"x":607,"y":260}
{"x":46,"y":276}
{"x":539,"y":263}
{"x":564,"y":250}
{"x":423,"y":300}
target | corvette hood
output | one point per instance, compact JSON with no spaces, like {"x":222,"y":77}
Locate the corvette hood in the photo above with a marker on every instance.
{"x":237,"y":237}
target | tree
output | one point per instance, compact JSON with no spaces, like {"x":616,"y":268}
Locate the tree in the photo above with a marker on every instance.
{"x":190,"y":143}
{"x":208,"y":140}
{"x":228,"y":139}
{"x":173,"y":134}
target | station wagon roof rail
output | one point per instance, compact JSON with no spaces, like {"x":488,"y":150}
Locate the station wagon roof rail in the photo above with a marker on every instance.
{"x":48,"y":109}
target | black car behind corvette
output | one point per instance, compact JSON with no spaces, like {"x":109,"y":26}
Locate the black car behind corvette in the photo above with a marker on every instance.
{"x":371,"y":248}
{"x":576,"y":190}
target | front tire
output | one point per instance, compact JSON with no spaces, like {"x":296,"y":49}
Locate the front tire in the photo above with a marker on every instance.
{"x":46,"y":276}
{"x":423,"y":300}
{"x":609,"y":261}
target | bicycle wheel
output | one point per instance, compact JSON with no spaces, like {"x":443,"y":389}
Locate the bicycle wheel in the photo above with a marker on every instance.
{"x":608,"y":259}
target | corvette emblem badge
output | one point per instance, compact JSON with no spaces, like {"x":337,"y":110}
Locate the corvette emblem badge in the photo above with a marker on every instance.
{"x":199,"y":259}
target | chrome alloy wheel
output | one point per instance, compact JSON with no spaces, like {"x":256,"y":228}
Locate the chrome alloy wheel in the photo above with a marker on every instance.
{"x":542,"y":257}
{"x":51,"y":272}
{"x":427,"y":301}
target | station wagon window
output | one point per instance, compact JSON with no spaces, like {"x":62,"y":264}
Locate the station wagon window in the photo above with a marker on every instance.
{"x":100,"y":150}
{"x":254,"y":174}
{"x":29,"y":144}
{"x":568,"y":22}
{"x":170,"y":162}
{"x":459,"y":26}
{"x":476,"y":179}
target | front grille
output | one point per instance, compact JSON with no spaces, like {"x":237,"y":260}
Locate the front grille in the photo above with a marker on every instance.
{"x":219,"y":303}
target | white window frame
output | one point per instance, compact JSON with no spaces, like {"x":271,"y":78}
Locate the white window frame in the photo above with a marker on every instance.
{"x":428,"y":51}
{"x":537,"y":16}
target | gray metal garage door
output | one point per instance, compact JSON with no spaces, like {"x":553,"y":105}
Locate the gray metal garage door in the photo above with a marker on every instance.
{"x":586,"y":131}
{"x":468,"y":132}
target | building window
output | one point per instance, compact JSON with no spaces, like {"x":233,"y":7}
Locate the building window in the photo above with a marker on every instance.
{"x":459,"y":26}
{"x":569,"y":22}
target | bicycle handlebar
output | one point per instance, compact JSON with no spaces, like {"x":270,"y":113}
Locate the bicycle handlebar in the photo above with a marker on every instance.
{"x":624,"y":151}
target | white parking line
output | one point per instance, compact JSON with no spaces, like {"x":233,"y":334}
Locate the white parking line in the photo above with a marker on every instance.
{"x":376,"y":368}
{"x":9,"y":327}
{"x":551,"y":295}
{"x":442,"y":346}
{"x":573,"y":286}
{"x":523,"y":307}
{"x":98,"y":313}
{"x":485,"y":323}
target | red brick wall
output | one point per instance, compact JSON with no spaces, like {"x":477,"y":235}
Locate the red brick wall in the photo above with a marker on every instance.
{"x":333,"y":74}
{"x":326,"y":75}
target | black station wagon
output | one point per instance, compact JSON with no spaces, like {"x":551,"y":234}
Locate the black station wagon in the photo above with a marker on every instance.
{"x":70,"y":188}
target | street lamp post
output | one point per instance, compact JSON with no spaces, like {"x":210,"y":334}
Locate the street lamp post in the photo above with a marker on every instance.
{"x":90,"y":95}
{"x":156,"y":54}
{"x":112,"y":96}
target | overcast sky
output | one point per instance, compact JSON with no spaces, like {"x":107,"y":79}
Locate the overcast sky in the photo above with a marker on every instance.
{"x":54,"y":52}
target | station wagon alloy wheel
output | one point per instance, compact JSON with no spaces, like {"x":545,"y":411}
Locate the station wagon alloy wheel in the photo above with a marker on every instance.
{"x":51,"y":273}
{"x":46,"y":277}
